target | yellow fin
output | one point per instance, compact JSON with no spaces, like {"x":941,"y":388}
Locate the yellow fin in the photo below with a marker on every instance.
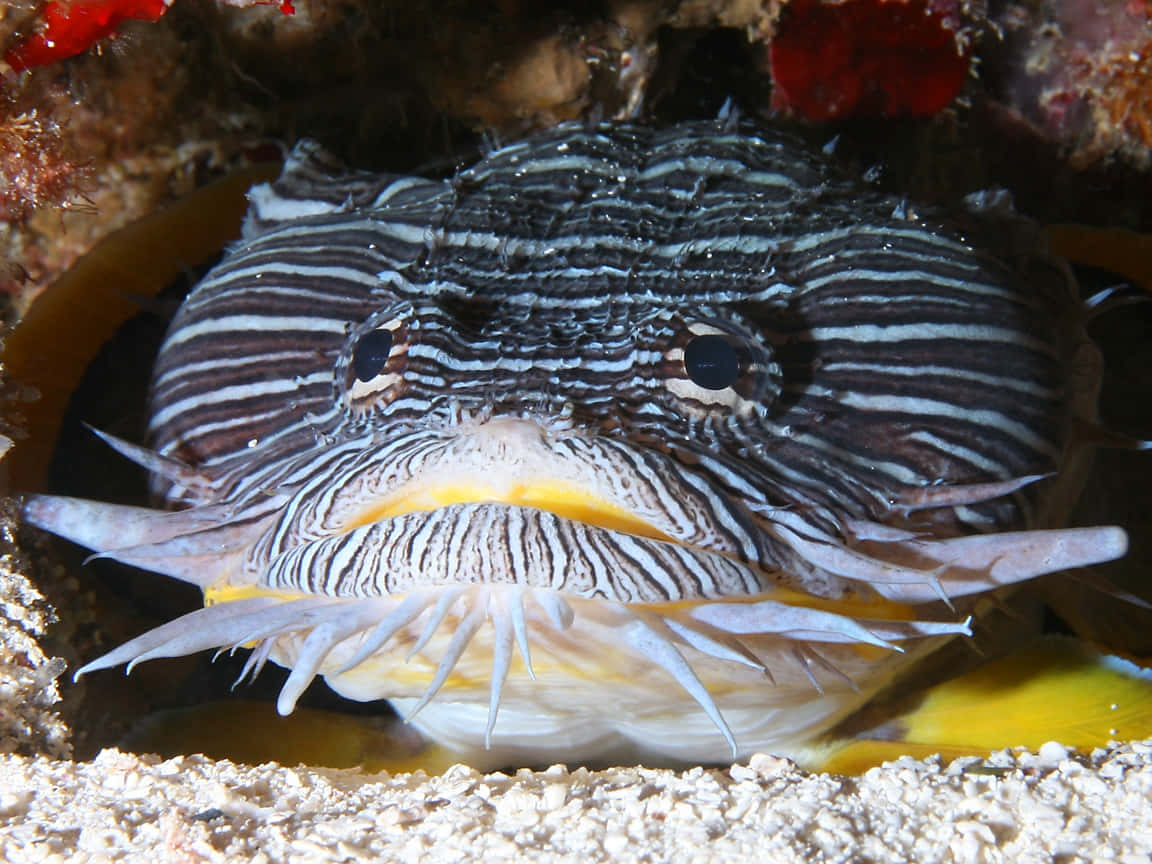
{"x":252,"y":732}
{"x":1059,"y":690}
{"x":1113,"y":249}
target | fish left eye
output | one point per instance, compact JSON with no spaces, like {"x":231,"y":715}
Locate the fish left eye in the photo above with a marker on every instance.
{"x":712,"y":362}
{"x":371,"y":353}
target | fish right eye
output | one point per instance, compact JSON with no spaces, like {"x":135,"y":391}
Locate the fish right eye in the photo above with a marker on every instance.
{"x":371,"y":353}
{"x":712,"y":362}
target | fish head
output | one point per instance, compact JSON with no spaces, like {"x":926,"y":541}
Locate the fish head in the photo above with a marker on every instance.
{"x":671,"y":441}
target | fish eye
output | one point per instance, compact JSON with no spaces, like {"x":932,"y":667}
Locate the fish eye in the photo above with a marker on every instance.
{"x":712,"y":362}
{"x":371,"y":353}
{"x":370,"y":372}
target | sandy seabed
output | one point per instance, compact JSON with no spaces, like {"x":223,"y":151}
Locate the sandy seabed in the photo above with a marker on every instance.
{"x":1013,"y":807}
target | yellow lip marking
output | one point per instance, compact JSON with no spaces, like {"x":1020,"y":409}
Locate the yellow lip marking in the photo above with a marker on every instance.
{"x":571,"y":502}
{"x":563,"y":499}
{"x":222,"y":592}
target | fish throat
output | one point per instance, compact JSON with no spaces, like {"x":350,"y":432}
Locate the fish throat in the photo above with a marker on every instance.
{"x":678,"y":421}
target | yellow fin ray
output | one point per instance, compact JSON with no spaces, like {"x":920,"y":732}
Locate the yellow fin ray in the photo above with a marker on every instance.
{"x":1059,"y":690}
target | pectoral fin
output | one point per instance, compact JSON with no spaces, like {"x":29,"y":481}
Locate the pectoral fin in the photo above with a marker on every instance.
{"x":1059,"y":690}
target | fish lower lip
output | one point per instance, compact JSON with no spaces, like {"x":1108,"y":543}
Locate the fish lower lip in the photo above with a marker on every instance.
{"x":491,"y":542}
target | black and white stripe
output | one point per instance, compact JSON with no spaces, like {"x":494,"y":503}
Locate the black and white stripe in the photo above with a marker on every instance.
{"x":556,"y":276}
{"x":435,"y":420}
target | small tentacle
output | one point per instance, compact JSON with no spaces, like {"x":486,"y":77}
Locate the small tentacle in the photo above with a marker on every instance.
{"x":354,"y":618}
{"x":203,"y":629}
{"x":194,"y":480}
{"x":1112,"y":298}
{"x":783,"y":619}
{"x":1092,"y":433}
{"x":862,"y":529}
{"x":461,"y":638}
{"x":310,"y":612}
{"x":902,"y":630}
{"x":802,"y":659}
{"x":851,"y":564}
{"x":520,"y":629}
{"x":254,"y":665}
{"x":444,"y":602}
{"x":713,"y":644}
{"x":1101,"y":583}
{"x":138,"y":533}
{"x":405,"y":613}
{"x":922,"y":570}
{"x":315,"y":650}
{"x":660,"y":650}
{"x":502,"y":637}
{"x":181,"y":558}
{"x":828,"y":666}
{"x":987,"y":561}
{"x":928,"y":497}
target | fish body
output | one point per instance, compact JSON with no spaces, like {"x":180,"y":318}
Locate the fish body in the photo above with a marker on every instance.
{"x":622,"y":443}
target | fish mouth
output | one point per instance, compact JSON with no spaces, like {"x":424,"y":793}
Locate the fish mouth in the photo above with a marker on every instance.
{"x":509,"y":501}
{"x":520,"y":462}
{"x":561,"y":498}
{"x":530,"y":505}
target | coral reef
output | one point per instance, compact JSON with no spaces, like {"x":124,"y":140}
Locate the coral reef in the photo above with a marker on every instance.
{"x":29,"y":723}
{"x":38,"y":168}
{"x":64,"y":28}
{"x":67,"y":28}
{"x":1081,"y":71}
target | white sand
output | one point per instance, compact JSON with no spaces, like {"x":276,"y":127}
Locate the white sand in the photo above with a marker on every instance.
{"x":121,"y":807}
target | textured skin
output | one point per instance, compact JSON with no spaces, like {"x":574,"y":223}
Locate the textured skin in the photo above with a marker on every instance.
{"x":565,"y":269}
{"x":894,"y":437}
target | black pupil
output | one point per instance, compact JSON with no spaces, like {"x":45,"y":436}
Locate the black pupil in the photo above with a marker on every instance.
{"x":371,"y":354}
{"x":711,"y":362}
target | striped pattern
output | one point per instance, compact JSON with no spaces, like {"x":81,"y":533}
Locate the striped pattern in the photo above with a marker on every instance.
{"x":560,"y":279}
{"x":398,"y":555}
{"x":532,"y":469}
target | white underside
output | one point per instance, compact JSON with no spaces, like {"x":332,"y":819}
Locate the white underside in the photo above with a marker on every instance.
{"x":596,"y":700}
{"x":601,"y":735}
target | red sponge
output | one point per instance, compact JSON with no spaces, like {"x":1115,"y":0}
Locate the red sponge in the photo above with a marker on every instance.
{"x":881,"y":58}
{"x":70,"y":26}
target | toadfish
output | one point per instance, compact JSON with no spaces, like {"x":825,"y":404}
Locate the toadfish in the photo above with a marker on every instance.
{"x":623,"y":443}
